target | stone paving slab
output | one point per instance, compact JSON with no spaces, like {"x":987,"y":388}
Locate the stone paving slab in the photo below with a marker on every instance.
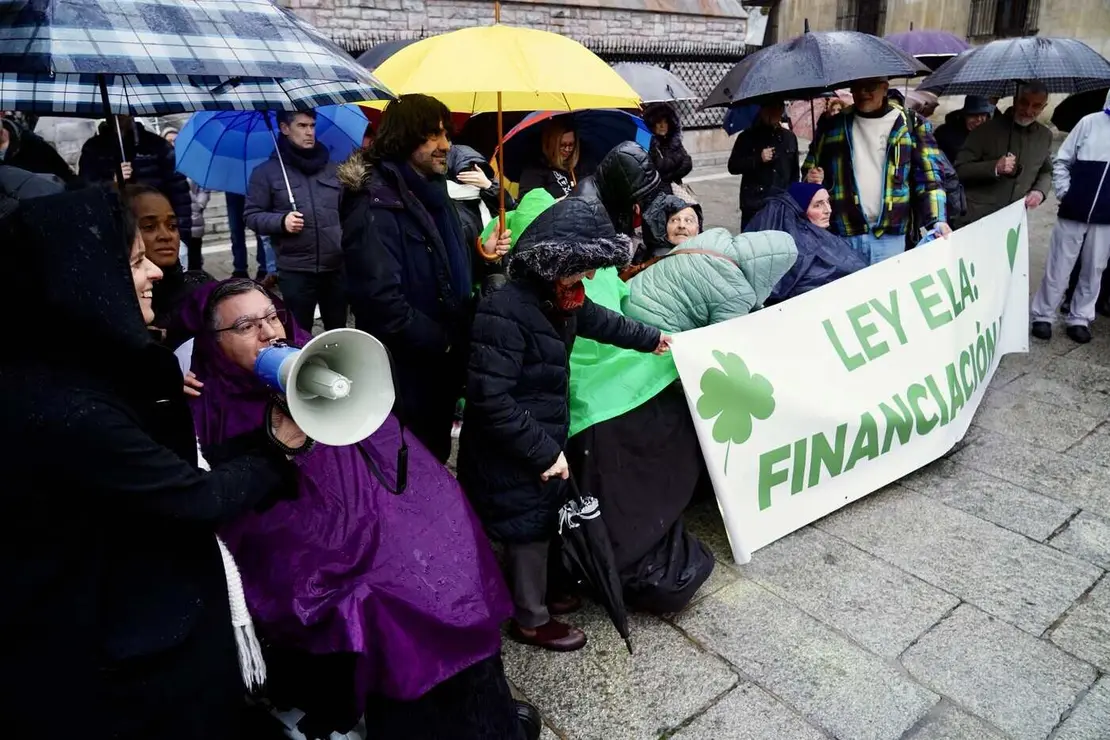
{"x":603,"y":692}
{"x":1085,"y":631}
{"x":1068,"y":383}
{"x":1088,"y":537}
{"x":1090,"y":720}
{"x":1082,"y":483}
{"x":946,"y":722}
{"x":835,"y":684}
{"x":1017,"y":682}
{"x":749,"y":713}
{"x":1035,"y":422}
{"x":870,"y":601}
{"x":1009,"y":576}
{"x":1004,"y":503}
{"x":1093,"y":448}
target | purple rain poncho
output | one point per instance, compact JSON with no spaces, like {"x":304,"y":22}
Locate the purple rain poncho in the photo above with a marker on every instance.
{"x":408,"y":583}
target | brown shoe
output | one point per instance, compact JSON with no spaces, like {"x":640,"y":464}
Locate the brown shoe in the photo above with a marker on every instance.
{"x":555,"y":636}
{"x":565,"y":604}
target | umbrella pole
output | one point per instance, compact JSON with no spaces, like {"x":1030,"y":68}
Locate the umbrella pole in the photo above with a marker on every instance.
{"x":103,"y":82}
{"x":500,"y":163}
{"x":281,"y":163}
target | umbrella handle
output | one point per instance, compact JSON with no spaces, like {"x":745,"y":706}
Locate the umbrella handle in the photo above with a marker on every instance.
{"x":281,"y":163}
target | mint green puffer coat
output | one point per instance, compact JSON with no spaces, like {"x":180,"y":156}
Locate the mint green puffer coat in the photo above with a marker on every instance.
{"x":689,"y":291}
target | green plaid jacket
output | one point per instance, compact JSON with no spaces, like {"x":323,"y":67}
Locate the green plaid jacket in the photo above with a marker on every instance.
{"x":913,"y":177}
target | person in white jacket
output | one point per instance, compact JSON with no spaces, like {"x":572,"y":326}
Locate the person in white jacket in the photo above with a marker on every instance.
{"x":1082,"y":231}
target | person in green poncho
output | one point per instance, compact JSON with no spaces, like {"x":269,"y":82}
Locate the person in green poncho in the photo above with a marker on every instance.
{"x":629,"y":419}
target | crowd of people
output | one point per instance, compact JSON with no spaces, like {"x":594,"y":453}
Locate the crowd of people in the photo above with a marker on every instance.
{"x":206,"y":545}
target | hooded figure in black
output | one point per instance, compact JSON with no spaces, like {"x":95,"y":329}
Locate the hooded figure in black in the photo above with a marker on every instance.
{"x":23,"y":148}
{"x":511,"y":460}
{"x":628,"y":187}
{"x":669,"y":156}
{"x":114,"y":588}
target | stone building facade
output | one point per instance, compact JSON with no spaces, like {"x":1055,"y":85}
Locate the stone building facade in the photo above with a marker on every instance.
{"x":700,"y":21}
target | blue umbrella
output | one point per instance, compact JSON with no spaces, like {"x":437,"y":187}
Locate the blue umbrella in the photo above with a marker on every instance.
{"x":219,"y":150}
{"x":740,"y":117}
{"x":598,"y":131}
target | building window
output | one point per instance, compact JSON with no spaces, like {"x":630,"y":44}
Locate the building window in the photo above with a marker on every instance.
{"x":866,"y":16}
{"x":1003,"y":18}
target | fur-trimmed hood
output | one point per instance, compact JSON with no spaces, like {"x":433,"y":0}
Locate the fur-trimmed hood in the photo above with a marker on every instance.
{"x":656,"y":111}
{"x":571,"y":237}
{"x":354,"y":171}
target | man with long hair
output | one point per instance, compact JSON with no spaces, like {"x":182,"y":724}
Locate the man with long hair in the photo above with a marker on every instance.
{"x":409,"y":273}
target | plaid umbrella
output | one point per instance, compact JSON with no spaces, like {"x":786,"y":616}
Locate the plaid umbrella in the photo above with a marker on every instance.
{"x":161,"y":95}
{"x":245,"y":38}
{"x":1062,"y":65}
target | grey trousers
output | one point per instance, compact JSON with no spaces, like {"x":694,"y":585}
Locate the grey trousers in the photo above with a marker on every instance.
{"x":1073,"y":240}
{"x":527,"y":570}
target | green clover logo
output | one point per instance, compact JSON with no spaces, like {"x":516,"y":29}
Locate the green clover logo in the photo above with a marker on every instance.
{"x":733,"y":396}
{"x":1012,"y":245}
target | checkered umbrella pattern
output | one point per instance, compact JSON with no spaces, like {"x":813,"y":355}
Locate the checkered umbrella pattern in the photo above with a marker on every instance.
{"x":217,"y":38}
{"x":162,"y":95}
{"x":997,"y":68}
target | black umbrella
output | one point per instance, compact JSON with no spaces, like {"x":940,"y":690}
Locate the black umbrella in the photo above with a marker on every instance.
{"x":1074,"y":107}
{"x":588,"y":554}
{"x":375,"y":55}
{"x":806,"y":66}
{"x":1000,"y":67}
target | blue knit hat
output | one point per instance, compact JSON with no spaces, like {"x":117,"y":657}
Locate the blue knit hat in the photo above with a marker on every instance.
{"x":803,"y":192}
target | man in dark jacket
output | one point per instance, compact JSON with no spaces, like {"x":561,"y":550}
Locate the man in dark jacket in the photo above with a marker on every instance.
{"x":301,"y":215}
{"x":147,"y":159}
{"x":627,"y":185}
{"x":511,"y":459}
{"x":21,"y":147}
{"x":766,"y":157}
{"x":409,"y":273}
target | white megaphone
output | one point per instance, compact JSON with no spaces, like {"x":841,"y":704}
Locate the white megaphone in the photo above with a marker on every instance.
{"x":339,"y":386}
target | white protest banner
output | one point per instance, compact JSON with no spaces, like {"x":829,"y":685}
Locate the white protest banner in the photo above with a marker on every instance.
{"x":804,"y":407}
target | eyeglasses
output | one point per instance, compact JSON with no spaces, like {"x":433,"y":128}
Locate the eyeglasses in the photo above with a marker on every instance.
{"x":247,"y":326}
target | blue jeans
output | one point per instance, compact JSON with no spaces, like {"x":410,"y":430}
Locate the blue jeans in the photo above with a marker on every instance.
{"x":876,"y":249}
{"x":267,"y":262}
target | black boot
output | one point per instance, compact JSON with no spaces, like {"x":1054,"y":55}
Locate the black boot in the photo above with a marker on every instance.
{"x":530,"y":721}
{"x":1042,"y":330}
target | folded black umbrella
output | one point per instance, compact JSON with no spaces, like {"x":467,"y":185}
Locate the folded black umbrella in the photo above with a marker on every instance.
{"x":588,"y":555}
{"x":804,"y":67}
{"x":1074,"y":107}
{"x":1000,"y":67}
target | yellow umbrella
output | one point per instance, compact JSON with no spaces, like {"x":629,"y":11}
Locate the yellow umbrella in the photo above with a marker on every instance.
{"x":498,"y":68}
{"x":468,"y":70}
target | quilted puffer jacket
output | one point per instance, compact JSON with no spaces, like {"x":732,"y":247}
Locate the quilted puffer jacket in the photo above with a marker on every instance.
{"x":709,"y":279}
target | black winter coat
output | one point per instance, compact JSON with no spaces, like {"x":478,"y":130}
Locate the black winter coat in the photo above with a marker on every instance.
{"x":460,"y":159}
{"x":316,"y":190}
{"x":114,"y":586}
{"x":760,"y":179}
{"x":951,"y":134}
{"x":29,"y":151}
{"x":625,"y":178}
{"x":517,"y":413}
{"x":153,"y":163}
{"x":399,"y":287}
{"x":669,"y":156}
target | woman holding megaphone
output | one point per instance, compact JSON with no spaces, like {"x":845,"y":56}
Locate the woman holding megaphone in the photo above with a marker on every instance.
{"x":376,"y":592}
{"x":115,"y":595}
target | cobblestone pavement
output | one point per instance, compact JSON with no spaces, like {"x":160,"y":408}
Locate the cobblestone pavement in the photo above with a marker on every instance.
{"x":966,"y":601}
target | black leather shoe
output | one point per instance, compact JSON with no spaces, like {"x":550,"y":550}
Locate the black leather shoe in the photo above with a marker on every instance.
{"x":1079,"y":334}
{"x":530,"y":721}
{"x":1041,"y":330}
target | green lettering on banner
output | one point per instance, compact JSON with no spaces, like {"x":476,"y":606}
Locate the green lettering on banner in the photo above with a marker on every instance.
{"x":824,"y":455}
{"x":928,"y":302}
{"x":900,"y":423}
{"x":891,"y":315}
{"x":917,"y":393}
{"x":867,"y":441}
{"x":968,"y":293}
{"x":864,"y":332}
{"x":965,"y":368}
{"x":768,"y":476}
{"x":852,"y":362}
{"x":955,"y":389}
{"x":934,"y":389}
{"x":798,"y":472}
{"x":956,"y":304}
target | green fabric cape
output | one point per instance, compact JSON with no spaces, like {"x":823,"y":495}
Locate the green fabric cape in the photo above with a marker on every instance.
{"x":605,"y":381}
